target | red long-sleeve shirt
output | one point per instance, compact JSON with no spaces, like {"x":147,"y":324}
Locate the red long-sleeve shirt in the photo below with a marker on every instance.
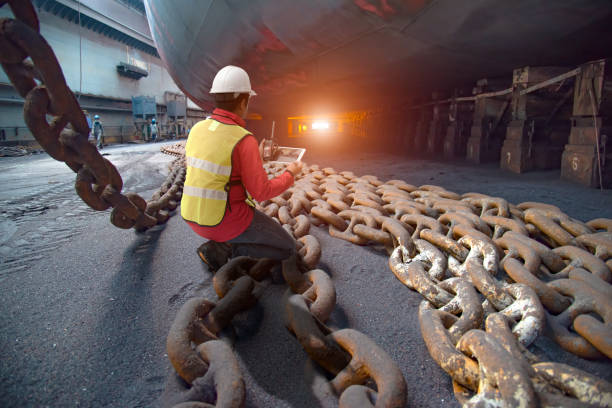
{"x":248,"y":168}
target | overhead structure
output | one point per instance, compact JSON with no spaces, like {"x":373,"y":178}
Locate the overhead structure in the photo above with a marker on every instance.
{"x":338,"y":55}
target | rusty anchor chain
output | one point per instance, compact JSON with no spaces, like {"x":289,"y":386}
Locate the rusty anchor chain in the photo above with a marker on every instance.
{"x":211,"y":369}
{"x":34,"y":71}
{"x":214,"y":377}
{"x":347,"y":354}
{"x":495,"y":276}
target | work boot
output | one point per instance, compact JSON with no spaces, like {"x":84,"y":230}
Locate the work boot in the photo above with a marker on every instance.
{"x":214,"y":254}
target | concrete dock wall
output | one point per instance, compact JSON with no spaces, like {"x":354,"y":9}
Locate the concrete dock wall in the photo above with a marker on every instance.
{"x":89,"y":60}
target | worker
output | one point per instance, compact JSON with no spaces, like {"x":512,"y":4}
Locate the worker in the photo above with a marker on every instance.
{"x":224,"y":165}
{"x":153,"y":130}
{"x":98,"y":131}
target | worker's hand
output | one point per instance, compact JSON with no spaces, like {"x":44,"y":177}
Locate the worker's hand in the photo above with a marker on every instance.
{"x":295,"y":167}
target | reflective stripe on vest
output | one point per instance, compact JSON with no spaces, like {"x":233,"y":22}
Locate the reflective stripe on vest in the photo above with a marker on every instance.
{"x":209,"y":166}
{"x":208,"y":155}
{"x":204,"y":193}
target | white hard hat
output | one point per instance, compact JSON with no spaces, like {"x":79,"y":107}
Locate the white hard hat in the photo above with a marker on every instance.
{"x":232,"y":79}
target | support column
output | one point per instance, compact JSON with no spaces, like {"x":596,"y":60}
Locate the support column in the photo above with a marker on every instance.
{"x":437,"y":129}
{"x":540,"y":120}
{"x":489,"y":121}
{"x":592,"y":120}
{"x":460,"y":116}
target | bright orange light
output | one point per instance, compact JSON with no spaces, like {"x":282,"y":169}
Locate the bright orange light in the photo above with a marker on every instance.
{"x":320,"y":125}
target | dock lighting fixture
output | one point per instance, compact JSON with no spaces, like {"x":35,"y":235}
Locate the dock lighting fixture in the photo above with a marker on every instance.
{"x":320,"y":125}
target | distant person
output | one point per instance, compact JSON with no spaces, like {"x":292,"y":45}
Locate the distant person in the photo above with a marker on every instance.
{"x":98,"y":131}
{"x":153,"y":130}
{"x":224,"y":165}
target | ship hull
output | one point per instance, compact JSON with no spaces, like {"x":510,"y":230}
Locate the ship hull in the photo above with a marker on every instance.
{"x":305,"y":57}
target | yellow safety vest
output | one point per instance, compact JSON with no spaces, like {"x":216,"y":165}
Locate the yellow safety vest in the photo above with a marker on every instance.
{"x":208,"y":154}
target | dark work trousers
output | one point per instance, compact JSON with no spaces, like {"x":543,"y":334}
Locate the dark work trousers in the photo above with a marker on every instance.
{"x":264,"y":238}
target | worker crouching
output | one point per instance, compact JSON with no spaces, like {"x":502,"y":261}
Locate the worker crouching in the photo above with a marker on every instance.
{"x":224,"y":165}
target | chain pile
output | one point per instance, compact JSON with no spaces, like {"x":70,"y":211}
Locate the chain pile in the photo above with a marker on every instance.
{"x":212,"y":369}
{"x":15,"y":151}
{"x":175,"y":149}
{"x":494,"y":276}
{"x":33,"y":69}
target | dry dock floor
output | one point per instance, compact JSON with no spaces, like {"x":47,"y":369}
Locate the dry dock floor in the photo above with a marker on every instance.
{"x":86,"y":307}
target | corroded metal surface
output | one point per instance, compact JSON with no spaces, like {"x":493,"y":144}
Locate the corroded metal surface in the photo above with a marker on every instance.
{"x":454,"y":251}
{"x":476,"y":326}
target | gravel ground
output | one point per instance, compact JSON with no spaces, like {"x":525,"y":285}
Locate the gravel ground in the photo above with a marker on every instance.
{"x":86,"y":307}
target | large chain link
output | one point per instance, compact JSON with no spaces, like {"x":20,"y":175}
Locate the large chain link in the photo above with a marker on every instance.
{"x":33,"y":69}
{"x":348,"y":355}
